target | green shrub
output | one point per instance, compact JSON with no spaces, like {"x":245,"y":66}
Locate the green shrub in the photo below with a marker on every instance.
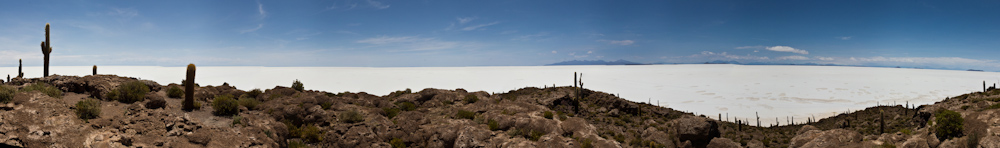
{"x":948,"y":124}
{"x":390,"y":112}
{"x":88,"y":108}
{"x":973,"y":140}
{"x":7,"y":93}
{"x":533,"y":135}
{"x":326,"y":105}
{"x":250,"y":103}
{"x":311,"y":134}
{"x":494,"y":125}
{"x":397,"y":143}
{"x":906,"y":131}
{"x":175,"y":92}
{"x":585,"y":143}
{"x":225,"y":105}
{"x":130,"y":92}
{"x":46,"y":89}
{"x":297,"y":85}
{"x":237,"y":120}
{"x":407,"y":106}
{"x":470,"y":98}
{"x":965,"y":107}
{"x":351,"y":117}
{"x":547,"y":114}
{"x":463,"y":114}
{"x":254,"y":93}
{"x":887,"y":145}
{"x":297,"y":144}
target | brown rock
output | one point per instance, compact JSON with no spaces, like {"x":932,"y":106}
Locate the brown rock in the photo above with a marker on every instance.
{"x":470,"y":136}
{"x":755,"y":144}
{"x":698,"y":130}
{"x":834,"y":138}
{"x":651,"y":134}
{"x":722,"y":143}
{"x":805,"y":129}
{"x":989,"y":141}
{"x":953,"y":143}
{"x":915,"y":142}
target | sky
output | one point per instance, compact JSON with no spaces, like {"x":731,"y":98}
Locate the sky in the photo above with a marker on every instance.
{"x":432,"y":33}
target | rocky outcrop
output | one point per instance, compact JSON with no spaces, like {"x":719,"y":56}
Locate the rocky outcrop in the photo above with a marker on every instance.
{"x":990,"y":141}
{"x":722,"y":143}
{"x":700,"y":131}
{"x":828,"y":138}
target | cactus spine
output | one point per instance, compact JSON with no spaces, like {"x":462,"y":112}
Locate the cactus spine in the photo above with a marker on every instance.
{"x":46,"y":49}
{"x":95,"y":70}
{"x":189,"y":88}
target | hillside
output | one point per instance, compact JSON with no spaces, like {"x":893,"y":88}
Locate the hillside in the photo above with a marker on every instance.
{"x":529,"y":117}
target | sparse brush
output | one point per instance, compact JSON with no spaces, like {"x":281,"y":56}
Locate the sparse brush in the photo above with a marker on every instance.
{"x":225,"y":105}
{"x":254,"y":93}
{"x":7,"y":93}
{"x":493,"y":124}
{"x":470,"y":98}
{"x":948,"y":124}
{"x":463,"y":114}
{"x":175,"y":92}
{"x":88,"y":108}
{"x":406,"y":106}
{"x":390,"y":112}
{"x":297,"y":85}
{"x":46,"y":89}
{"x":397,"y":143}
{"x":130,"y":92}
{"x":250,"y":103}
{"x":547,"y":114}
{"x":310,"y":133}
{"x":351,"y":117}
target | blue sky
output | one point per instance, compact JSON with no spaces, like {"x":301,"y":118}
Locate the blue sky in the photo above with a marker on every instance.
{"x":381,"y":33}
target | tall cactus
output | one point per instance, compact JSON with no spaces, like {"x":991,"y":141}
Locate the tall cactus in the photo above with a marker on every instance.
{"x":20,"y":74}
{"x":189,"y":88}
{"x":46,"y":49}
{"x":95,"y":70}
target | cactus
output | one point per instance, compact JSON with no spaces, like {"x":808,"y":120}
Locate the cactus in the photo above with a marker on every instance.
{"x":46,"y":49}
{"x":95,"y":70}
{"x":20,"y":74}
{"x":189,"y":88}
{"x":574,"y":80}
{"x":758,"y":118}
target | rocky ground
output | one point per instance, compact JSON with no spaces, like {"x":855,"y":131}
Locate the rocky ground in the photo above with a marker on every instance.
{"x":527,"y":117}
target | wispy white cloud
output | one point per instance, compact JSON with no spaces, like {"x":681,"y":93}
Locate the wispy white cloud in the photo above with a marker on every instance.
{"x":618,"y":42}
{"x":787,"y":49}
{"x":259,"y":26}
{"x":531,"y":37}
{"x":793,"y":58}
{"x":260,"y":9}
{"x":509,"y":32}
{"x":750,"y":47}
{"x":463,"y":20}
{"x":123,"y":12}
{"x":469,"y":28}
{"x":845,"y":38}
{"x":377,"y":4}
{"x":413,"y":43}
{"x":824,"y":58}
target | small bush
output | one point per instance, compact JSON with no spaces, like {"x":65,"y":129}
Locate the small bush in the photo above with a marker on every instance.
{"x":311,"y":133}
{"x":463,"y":114}
{"x":130,"y":92}
{"x":973,"y":140}
{"x":406,"y":106}
{"x":547,"y":114}
{"x":88,"y":108}
{"x":7,"y":93}
{"x":297,"y":144}
{"x":297,"y":85}
{"x":585,"y":143}
{"x":887,"y":145}
{"x":175,"y":92}
{"x":225,"y":105}
{"x":948,"y":124}
{"x":237,"y":120}
{"x":470,"y":98}
{"x":326,"y":105}
{"x":494,"y":125}
{"x":46,"y":89}
{"x":390,"y":112}
{"x":255,"y":93}
{"x":351,"y":117}
{"x":397,"y":143}
{"x":906,"y":131}
{"x":965,"y":107}
{"x":250,"y":103}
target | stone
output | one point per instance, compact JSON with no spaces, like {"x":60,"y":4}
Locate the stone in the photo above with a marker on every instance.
{"x":722,"y":143}
{"x":700,"y":131}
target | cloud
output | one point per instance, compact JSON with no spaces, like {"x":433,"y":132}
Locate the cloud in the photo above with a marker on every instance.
{"x":589,"y":52}
{"x":844,"y":38}
{"x":479,"y":26}
{"x":793,"y":58}
{"x":750,"y":47}
{"x":554,"y":51}
{"x":787,"y":49}
{"x":259,"y":26}
{"x":531,"y":37}
{"x":726,"y":56}
{"x":377,"y":4}
{"x":463,"y":20}
{"x":123,"y":12}
{"x":260,"y":9}
{"x":618,"y":42}
{"x":412,"y":43}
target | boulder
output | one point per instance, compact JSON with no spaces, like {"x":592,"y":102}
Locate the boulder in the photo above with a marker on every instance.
{"x":990,"y":141}
{"x":155,"y":101}
{"x":915,"y":142}
{"x":700,"y":131}
{"x":953,"y":142}
{"x":651,"y":134}
{"x":897,"y":137}
{"x":755,"y":144}
{"x":722,"y":143}
{"x":805,"y":129}
{"x":801,"y":139}
{"x":470,"y":136}
{"x":829,"y":138}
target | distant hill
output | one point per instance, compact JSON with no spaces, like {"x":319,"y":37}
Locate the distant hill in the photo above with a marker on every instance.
{"x":597,"y":62}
